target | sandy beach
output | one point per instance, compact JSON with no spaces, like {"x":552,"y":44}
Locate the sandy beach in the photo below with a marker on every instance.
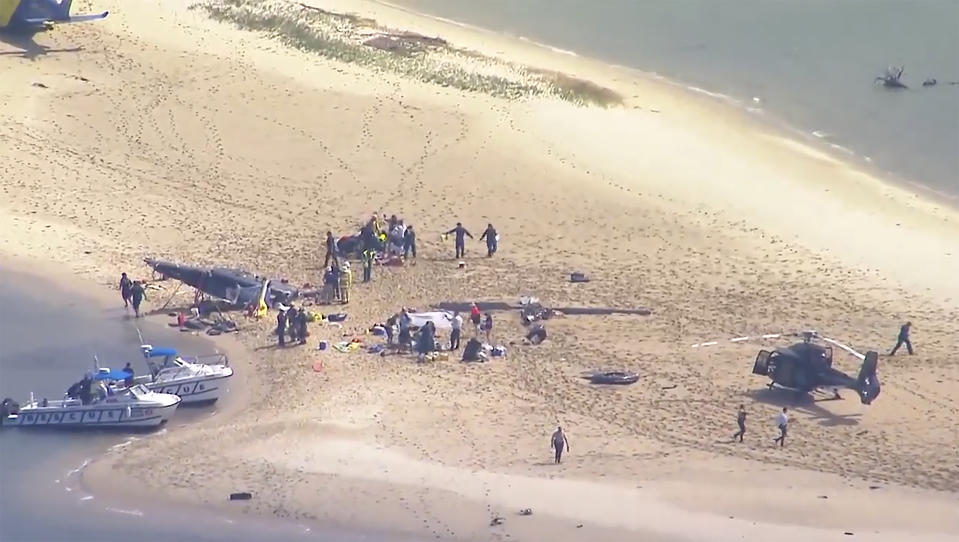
{"x":174,"y":134}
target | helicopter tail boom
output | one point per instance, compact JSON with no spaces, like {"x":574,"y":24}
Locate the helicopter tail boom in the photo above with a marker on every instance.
{"x":867,"y":383}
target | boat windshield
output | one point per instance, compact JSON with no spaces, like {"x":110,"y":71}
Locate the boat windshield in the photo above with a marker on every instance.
{"x":172,"y":361}
{"x":139,"y":390}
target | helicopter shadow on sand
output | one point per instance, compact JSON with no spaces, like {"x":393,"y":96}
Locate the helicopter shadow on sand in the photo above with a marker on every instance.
{"x":806,"y":403}
{"x":27,"y":47}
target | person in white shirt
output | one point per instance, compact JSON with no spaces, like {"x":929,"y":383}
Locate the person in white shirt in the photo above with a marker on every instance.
{"x":781,"y":421}
{"x":457,"y":325}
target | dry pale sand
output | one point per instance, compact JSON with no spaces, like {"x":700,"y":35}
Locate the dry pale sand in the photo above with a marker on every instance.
{"x":172,"y":135}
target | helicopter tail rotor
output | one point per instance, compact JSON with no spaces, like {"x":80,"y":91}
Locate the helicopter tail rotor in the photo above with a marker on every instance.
{"x":867,"y":383}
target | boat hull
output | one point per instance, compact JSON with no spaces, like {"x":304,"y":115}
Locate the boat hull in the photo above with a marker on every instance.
{"x":193,"y":391}
{"x":144,"y":416}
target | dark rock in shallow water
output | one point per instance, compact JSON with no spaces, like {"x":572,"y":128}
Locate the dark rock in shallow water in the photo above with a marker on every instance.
{"x":243,"y":496}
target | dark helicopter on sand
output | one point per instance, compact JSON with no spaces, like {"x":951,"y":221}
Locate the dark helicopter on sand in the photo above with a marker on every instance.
{"x":807,"y":366}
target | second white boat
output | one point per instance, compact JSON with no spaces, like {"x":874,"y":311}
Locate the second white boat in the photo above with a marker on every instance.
{"x":196,"y":380}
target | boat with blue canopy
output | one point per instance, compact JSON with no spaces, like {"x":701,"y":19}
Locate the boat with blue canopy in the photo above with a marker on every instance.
{"x":196,"y":379}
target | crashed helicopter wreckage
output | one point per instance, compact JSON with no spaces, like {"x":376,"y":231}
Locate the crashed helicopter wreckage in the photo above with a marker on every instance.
{"x":239,"y":288}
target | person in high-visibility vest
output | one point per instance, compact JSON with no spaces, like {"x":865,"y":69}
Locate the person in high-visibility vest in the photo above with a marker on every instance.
{"x":346,"y":282}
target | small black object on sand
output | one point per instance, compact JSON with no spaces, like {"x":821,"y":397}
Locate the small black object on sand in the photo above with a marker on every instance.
{"x":578,"y":277}
{"x":242,"y":496}
{"x":496,"y":521}
{"x":526,"y":512}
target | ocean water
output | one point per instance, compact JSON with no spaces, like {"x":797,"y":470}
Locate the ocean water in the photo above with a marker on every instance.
{"x":809,"y":64}
{"x":48,"y":336}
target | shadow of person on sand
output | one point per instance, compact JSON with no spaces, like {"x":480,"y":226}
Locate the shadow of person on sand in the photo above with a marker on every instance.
{"x":805,"y":403}
{"x":28,"y":47}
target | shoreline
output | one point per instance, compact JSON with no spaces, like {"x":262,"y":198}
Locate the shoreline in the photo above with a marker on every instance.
{"x":315,"y":439}
{"x":811,"y":137}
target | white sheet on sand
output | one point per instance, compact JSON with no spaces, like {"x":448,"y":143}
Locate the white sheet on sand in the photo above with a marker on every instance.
{"x":440,"y":319}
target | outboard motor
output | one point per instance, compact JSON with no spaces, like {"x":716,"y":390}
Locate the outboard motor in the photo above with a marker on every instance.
{"x":867,"y":384}
{"x":8,"y":407}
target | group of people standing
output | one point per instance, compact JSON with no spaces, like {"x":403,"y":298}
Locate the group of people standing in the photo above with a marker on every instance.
{"x":293,"y":320}
{"x":484,"y":324}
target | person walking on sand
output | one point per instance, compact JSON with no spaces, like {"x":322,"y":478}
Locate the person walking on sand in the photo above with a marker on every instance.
{"x":281,"y":328}
{"x":781,"y":422}
{"x":125,"y":285}
{"x":137,"y":295}
{"x":491,"y":238}
{"x":741,"y":421}
{"x":460,"y":233}
{"x":330,"y":249}
{"x":557,"y":443}
{"x":456,"y":325}
{"x":903,"y":339}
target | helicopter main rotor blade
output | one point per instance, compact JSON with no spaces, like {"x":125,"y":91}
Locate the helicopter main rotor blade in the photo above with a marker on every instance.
{"x":844,"y":347}
{"x":740,"y":339}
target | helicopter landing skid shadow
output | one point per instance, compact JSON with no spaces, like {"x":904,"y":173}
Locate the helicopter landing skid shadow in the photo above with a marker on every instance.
{"x":807,"y":403}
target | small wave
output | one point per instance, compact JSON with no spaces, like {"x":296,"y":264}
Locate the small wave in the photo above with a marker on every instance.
{"x":716,"y":95}
{"x":755,"y":110}
{"x":123,"y":444}
{"x":846,"y":150}
{"x":820,"y":134}
{"x":122,"y":511}
{"x":546,"y":46}
{"x":86,"y":498}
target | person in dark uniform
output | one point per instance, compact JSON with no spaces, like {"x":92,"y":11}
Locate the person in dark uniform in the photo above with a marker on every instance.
{"x":137,"y":295}
{"x":330,"y":249}
{"x":558,"y":442}
{"x":281,"y":328}
{"x":125,"y":285}
{"x":903,"y":339}
{"x":490,"y":236}
{"x":128,"y":369}
{"x":409,"y":243}
{"x":291,"y":323}
{"x":460,"y":234}
{"x":741,"y":421}
{"x":301,"y":321}
{"x":368,"y":257}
